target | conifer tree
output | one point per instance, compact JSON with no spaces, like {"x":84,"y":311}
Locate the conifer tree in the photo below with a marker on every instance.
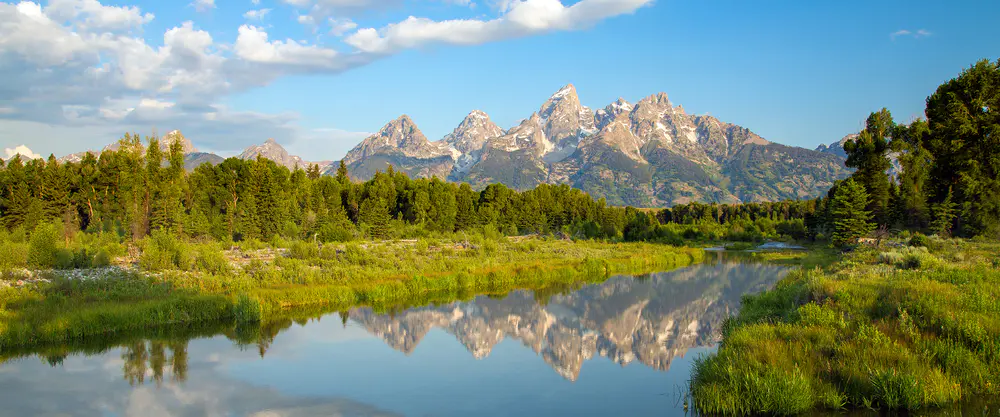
{"x":964,"y":120}
{"x":851,"y":219}
{"x":944,"y":216}
{"x":465,"y":210}
{"x":342,"y":176}
{"x":868,"y":153}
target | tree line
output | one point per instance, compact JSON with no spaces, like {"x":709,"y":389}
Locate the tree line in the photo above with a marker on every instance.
{"x":947,"y":183}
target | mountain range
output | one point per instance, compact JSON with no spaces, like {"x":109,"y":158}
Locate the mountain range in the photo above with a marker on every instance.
{"x":648,"y":154}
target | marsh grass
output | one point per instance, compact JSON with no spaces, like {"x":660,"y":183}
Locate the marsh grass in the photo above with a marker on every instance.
{"x":193,"y":283}
{"x":903,"y":329}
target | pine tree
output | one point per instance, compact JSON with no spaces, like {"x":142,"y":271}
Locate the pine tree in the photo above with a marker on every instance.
{"x":380,"y":193}
{"x":964,"y":120}
{"x":851,"y":219}
{"x":465,"y":210}
{"x":916,"y":162}
{"x":342,"y":176}
{"x":944,"y":216}
{"x":313,"y":172}
{"x":868,"y":153}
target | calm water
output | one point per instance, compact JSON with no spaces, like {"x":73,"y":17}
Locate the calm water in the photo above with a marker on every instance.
{"x":621,"y":348}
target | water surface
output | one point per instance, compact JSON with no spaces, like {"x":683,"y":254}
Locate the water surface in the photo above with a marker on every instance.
{"x":623,"y":347}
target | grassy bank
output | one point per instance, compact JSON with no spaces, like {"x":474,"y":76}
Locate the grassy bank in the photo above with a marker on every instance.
{"x":181,"y":282}
{"x":897,"y":328}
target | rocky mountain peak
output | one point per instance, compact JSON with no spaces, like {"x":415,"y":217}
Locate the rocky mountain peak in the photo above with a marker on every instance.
{"x":473,"y":132}
{"x":270,"y":149}
{"x":176,"y":136}
{"x":658,"y":99}
{"x":611,"y":112}
{"x":837,"y":148}
{"x":400,"y":135}
{"x":564,"y":121}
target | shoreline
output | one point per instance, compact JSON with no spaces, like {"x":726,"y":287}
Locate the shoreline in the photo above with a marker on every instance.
{"x":64,"y":310}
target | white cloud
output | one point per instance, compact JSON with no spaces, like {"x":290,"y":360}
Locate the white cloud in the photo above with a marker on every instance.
{"x":918,"y":34}
{"x":92,"y":15}
{"x":21,"y":150}
{"x":253,"y":45}
{"x":519,"y":18}
{"x":338,"y":27}
{"x":256,"y":14}
{"x":203,"y":5}
{"x":87,"y":69}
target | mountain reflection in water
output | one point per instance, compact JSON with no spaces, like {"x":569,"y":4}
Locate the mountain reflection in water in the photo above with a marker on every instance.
{"x":650,"y":319}
{"x":351,"y":365}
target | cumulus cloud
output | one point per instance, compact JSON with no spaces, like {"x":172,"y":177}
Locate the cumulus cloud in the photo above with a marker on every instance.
{"x":21,"y":150}
{"x":91,"y":68}
{"x":519,"y":18}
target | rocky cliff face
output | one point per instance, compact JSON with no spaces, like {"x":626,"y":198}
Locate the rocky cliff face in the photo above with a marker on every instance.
{"x":401,"y":144}
{"x":650,"y":154}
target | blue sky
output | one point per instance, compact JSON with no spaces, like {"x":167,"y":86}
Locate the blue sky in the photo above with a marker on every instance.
{"x":318,"y":75}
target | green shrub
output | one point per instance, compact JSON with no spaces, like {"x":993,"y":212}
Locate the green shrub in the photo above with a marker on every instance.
{"x":909,"y":258}
{"x":43,"y":247}
{"x":212,"y":261}
{"x":291,"y":230}
{"x":920,"y":239}
{"x":163,"y":251}
{"x":101,"y":259}
{"x":335,"y":233}
{"x":303,"y":250}
{"x":13,"y":255}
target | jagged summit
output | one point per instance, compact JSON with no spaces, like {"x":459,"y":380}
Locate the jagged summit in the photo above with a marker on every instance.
{"x":176,"y":136}
{"x":651,"y":153}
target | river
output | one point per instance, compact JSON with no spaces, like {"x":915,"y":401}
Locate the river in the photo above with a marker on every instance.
{"x":624,"y":347}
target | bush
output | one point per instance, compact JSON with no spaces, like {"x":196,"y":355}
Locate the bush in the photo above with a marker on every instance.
{"x":909,"y":258}
{"x":101,"y":259}
{"x":920,"y":239}
{"x":211,"y":260}
{"x":43,"y":247}
{"x":13,"y":255}
{"x":303,"y":250}
{"x":334,"y":233}
{"x":163,"y":251}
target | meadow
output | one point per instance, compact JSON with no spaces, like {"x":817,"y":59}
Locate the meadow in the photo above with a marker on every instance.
{"x":168,"y":281}
{"x":909,"y":326}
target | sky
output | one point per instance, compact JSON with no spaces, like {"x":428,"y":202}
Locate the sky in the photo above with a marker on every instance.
{"x":320,"y":75}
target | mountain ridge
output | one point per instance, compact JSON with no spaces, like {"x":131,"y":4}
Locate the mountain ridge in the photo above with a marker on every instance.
{"x":648,"y":154}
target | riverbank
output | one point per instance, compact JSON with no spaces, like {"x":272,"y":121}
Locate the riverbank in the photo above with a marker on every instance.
{"x":892,"y":328}
{"x":176,"y":282}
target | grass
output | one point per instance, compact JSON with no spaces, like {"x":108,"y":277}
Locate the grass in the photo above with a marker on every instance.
{"x":904,"y":328}
{"x":186,"y":282}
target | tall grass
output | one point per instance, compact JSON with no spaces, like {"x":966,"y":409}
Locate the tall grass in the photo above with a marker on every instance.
{"x":196,"y":283}
{"x":905,"y":328}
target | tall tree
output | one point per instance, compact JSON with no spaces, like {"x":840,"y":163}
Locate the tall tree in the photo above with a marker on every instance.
{"x":915,"y":163}
{"x":964,"y":120}
{"x":868,"y":154}
{"x":851,"y":219}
